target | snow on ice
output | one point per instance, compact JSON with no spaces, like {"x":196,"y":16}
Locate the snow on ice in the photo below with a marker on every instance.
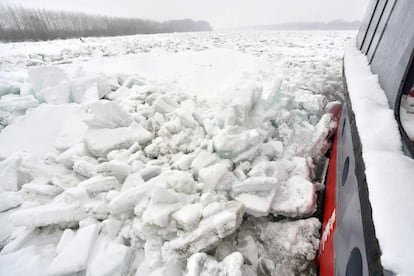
{"x":184,"y":154}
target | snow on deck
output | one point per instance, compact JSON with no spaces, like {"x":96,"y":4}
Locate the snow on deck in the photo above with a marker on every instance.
{"x":389,"y":172}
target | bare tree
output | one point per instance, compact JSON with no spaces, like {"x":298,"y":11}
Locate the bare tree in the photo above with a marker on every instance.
{"x":20,"y":24}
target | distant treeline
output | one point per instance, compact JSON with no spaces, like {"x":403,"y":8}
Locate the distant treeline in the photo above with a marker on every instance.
{"x":21,"y":24}
{"x":333,"y":25}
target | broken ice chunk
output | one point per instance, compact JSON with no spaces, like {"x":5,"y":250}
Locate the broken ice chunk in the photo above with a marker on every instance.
{"x":74,"y":257}
{"x":71,"y":133}
{"x":161,"y":205}
{"x":272,"y":149}
{"x":181,"y":182}
{"x":256,"y":184}
{"x":207,"y":198}
{"x":91,"y":95}
{"x":41,"y":77}
{"x":275,"y":169}
{"x":58,"y":94}
{"x":267,"y":266}
{"x":111,"y":227}
{"x":66,"y":181}
{"x":65,"y":239}
{"x":127,"y":200}
{"x":81,"y":88}
{"x":99,"y":184}
{"x":186,"y":117}
{"x":11,"y":176}
{"x":320,"y":142}
{"x":111,"y":259}
{"x":132,"y":181}
{"x":184,"y":162}
{"x":153,"y":252}
{"x":301,"y":166}
{"x":152,"y":151}
{"x":233,"y":263}
{"x":203,"y":159}
{"x":53,"y":213}
{"x":188,"y":215}
{"x":22,"y":236}
{"x":8,"y":86}
{"x":66,"y":158}
{"x":75,"y":195}
{"x":106,"y":114}
{"x":133,"y":81}
{"x":170,"y":269}
{"x":111,"y":195}
{"x":123,"y":155}
{"x":217,"y":177}
{"x":201,"y":264}
{"x":150,"y":172}
{"x":291,"y":244}
{"x":99,"y":210}
{"x":85,"y":165}
{"x":41,"y":187}
{"x":247,"y":246}
{"x":225,"y":248}
{"x":101,"y":141}
{"x":121,"y":93}
{"x":295,"y":198}
{"x":232,"y":142}
{"x":211,"y":209}
{"x":165,"y":104}
{"x":312,"y":103}
{"x":209,"y":232}
{"x":248,"y":155}
{"x":257,"y":206}
{"x":9,"y":200}
{"x":13,"y":103}
{"x":114,"y":168}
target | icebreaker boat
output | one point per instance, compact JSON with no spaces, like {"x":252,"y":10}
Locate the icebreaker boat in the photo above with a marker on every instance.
{"x":366,"y":225}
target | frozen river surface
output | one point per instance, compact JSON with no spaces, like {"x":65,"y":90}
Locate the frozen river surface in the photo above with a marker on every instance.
{"x":172,"y":154}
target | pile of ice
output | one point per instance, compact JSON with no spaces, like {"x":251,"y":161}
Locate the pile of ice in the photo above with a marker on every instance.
{"x":123,"y":176}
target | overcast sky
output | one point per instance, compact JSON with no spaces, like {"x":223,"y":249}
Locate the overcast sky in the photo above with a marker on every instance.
{"x":220,"y":13}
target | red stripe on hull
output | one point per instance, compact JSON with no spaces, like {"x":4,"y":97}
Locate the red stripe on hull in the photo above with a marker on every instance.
{"x":326,"y":248}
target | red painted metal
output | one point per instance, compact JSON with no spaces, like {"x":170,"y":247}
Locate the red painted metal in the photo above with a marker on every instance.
{"x":326,"y":248}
